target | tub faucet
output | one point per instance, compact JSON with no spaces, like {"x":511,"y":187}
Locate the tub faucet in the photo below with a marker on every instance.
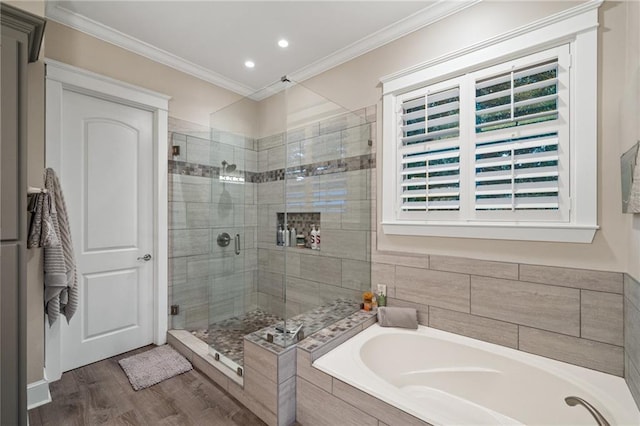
{"x":574,"y":400}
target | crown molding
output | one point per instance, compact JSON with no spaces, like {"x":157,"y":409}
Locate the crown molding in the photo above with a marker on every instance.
{"x":64,"y":16}
{"x":414,"y":22}
{"x":437,"y":11}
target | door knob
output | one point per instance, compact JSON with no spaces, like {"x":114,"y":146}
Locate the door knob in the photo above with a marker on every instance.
{"x":146,"y":257}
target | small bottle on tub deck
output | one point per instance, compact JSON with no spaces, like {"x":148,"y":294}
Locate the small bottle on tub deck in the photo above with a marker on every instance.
{"x":367,"y":299}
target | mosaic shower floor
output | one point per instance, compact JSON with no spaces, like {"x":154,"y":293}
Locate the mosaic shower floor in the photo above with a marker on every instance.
{"x":227,"y":336}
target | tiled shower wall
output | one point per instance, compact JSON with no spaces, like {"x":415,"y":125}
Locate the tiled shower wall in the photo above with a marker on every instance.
{"x":208,"y":282}
{"x":572,"y":315}
{"x":328,"y":171}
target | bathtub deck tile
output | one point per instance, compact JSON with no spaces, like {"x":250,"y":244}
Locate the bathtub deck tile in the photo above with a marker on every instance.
{"x":632,"y":290}
{"x":369,"y":404}
{"x":400,"y":259}
{"x":586,"y":353}
{"x":287,"y":402}
{"x":382,"y":273}
{"x":339,"y":339}
{"x":577,"y":278}
{"x":447,"y":290}
{"x":261,"y":359}
{"x":312,"y":408}
{"x":287,"y":364}
{"x":601,"y":317}
{"x":632,"y":377}
{"x":261,"y":388}
{"x":483,"y":268}
{"x":632,"y":332}
{"x":541,"y":306}
{"x":489,"y":330}
{"x":311,"y":374}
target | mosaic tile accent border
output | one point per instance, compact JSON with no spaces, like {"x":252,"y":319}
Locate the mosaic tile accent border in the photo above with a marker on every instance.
{"x":358,"y":162}
{"x":312,"y":321}
{"x":328,"y":334}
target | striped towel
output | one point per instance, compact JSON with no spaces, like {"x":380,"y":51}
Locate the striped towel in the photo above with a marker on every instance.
{"x":60,"y":279}
{"x":41,"y":232}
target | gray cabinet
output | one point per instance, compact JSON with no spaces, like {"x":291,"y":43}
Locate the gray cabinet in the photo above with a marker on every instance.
{"x":21,"y":39}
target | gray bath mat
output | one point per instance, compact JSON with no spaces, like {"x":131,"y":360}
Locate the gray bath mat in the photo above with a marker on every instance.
{"x":151,"y":367}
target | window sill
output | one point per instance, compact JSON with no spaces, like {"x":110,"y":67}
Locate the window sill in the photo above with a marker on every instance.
{"x":549,"y":232}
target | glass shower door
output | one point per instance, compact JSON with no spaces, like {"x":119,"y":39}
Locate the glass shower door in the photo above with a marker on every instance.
{"x":212,"y":277}
{"x":231,"y":278}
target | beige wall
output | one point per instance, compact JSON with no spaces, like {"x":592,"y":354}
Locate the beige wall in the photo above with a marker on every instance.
{"x":192,"y":99}
{"x":355,"y":84}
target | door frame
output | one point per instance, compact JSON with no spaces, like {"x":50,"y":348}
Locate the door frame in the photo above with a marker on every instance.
{"x":61,"y":77}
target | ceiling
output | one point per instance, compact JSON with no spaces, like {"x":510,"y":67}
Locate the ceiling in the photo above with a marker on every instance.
{"x":213,"y":39}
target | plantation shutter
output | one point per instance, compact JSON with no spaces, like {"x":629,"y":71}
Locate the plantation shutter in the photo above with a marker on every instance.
{"x":518,"y":98}
{"x":430,"y":150}
{"x":519,"y":173}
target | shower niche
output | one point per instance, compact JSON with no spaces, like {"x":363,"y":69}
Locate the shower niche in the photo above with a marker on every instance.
{"x":303,"y":229}
{"x":284,"y":156}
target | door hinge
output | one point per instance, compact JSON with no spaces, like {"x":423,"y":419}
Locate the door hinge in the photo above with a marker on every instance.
{"x":175,"y":309}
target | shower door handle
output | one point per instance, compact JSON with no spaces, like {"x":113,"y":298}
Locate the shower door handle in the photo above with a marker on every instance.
{"x":237,"y":243}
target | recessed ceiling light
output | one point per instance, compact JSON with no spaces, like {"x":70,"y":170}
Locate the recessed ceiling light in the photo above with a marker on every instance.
{"x":249,"y":64}
{"x":283,"y":43}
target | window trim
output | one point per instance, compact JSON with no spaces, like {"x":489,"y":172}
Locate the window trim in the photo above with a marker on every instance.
{"x":578,"y":28}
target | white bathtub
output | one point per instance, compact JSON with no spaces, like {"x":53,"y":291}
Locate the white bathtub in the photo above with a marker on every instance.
{"x":446,"y":379}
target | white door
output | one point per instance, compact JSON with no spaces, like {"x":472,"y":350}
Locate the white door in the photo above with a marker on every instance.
{"x":106,"y":174}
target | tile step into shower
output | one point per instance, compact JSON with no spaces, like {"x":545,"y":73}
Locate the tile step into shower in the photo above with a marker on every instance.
{"x":268,"y":385}
{"x":227,"y":336}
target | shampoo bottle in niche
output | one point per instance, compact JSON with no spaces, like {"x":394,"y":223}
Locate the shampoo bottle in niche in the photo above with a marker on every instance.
{"x":318,"y":239}
{"x":286,"y":235}
{"x":282,"y":234}
{"x":314,"y":238}
{"x":279,"y":234}
{"x":292,"y":237}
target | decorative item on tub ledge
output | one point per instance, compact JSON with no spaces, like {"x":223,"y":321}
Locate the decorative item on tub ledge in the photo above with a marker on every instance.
{"x":367,"y":299}
{"x":630,"y":175}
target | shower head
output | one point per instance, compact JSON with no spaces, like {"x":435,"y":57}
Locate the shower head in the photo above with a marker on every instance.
{"x":228,"y":168}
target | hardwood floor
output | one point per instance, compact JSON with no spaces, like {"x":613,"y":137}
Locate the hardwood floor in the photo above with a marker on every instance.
{"x":100,"y":394}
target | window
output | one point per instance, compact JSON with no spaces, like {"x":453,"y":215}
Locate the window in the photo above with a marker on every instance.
{"x":501,"y":148}
{"x":430,"y":149}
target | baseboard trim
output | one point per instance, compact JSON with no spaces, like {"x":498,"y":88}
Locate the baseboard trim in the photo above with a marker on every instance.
{"x":38,"y":394}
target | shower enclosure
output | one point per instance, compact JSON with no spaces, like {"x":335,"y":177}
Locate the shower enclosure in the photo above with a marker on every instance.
{"x":270,"y":216}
